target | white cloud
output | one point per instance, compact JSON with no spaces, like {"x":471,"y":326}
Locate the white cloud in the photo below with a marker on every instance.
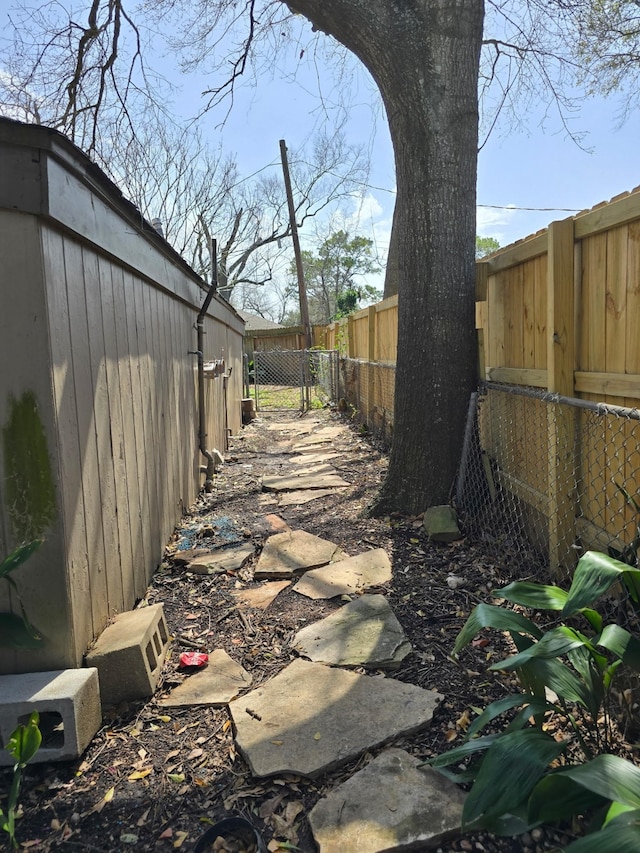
{"x":370,"y":219}
{"x":495,"y":222}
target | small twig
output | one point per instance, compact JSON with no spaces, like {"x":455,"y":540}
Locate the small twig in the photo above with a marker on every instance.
{"x":245,"y":621}
{"x":192,"y":644}
{"x":226,"y":614}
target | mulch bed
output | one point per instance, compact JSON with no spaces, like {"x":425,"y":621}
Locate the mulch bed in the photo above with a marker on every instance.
{"x":156,"y":778}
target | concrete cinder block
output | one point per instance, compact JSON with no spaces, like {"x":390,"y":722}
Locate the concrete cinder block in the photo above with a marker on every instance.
{"x":68,"y":702}
{"x":129,"y":654}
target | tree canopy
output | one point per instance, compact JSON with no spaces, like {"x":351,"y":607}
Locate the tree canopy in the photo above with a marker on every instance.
{"x":335,"y":276}
{"x":486,"y":246}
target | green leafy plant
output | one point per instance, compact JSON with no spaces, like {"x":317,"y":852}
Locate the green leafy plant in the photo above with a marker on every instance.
{"x":629,"y":553}
{"x":521,"y":775}
{"x":23,"y":744}
{"x":17,"y":631}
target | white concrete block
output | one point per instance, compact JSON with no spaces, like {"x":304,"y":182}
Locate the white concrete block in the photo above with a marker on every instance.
{"x":68,"y":702}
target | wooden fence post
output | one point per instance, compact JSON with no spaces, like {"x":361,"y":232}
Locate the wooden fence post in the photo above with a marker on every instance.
{"x":482,"y":276}
{"x":371,"y":358}
{"x":560,"y":373}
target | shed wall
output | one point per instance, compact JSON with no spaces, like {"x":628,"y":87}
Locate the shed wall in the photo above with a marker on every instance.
{"x":98,"y":326}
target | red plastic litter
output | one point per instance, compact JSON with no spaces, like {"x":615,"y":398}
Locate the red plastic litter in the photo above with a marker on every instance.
{"x":194,"y":659}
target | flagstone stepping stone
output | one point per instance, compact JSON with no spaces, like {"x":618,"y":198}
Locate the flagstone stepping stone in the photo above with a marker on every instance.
{"x":314,"y":457}
{"x":303,"y":496}
{"x":216,"y":685}
{"x":364,"y":632}
{"x":227,"y":560}
{"x":286,"y":554}
{"x":182,"y":558}
{"x":314,"y":468}
{"x":270,"y":524}
{"x":311,"y":718}
{"x":349,"y":576}
{"x":287,"y":482}
{"x":441,"y":523}
{"x":326,"y":433}
{"x":298,"y":427}
{"x":269,"y":499}
{"x":391,"y":804}
{"x":261,"y":596}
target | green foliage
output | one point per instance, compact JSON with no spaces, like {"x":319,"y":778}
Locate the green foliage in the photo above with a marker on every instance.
{"x":521,"y":776}
{"x":629,"y":553}
{"x":486,"y":246}
{"x":346,"y":303}
{"x":17,"y":631}
{"x":23,"y":744}
{"x":333,"y":276}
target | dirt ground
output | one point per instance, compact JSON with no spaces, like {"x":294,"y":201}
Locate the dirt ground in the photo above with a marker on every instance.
{"x":156,"y":778}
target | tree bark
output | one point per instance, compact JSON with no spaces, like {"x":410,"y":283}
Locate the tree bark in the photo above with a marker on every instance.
{"x":424,"y":56}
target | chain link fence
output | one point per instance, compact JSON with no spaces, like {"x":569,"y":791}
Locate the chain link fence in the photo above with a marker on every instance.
{"x":291,"y":379}
{"x":545,"y":478}
{"x":367,"y":389}
{"x":323,"y":372}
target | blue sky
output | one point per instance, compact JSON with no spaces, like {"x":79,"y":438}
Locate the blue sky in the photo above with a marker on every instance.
{"x":533,"y":168}
{"x":522,"y":167}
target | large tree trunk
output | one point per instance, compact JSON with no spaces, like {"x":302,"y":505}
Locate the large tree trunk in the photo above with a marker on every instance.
{"x":424,"y":56}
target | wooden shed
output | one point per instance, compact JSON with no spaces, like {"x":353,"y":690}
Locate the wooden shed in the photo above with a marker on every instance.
{"x":98,"y":392}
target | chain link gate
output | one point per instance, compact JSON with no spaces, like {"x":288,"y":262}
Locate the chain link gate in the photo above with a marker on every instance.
{"x":292,"y":379}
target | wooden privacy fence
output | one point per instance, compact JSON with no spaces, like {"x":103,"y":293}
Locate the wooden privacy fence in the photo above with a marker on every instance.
{"x":98,"y":392}
{"x":560,"y":311}
{"x":367,"y":342}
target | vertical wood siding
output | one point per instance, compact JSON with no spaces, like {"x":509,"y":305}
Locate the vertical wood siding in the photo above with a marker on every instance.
{"x":117,"y":393}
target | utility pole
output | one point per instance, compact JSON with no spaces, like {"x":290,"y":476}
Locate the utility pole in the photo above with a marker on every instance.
{"x":302,"y":288}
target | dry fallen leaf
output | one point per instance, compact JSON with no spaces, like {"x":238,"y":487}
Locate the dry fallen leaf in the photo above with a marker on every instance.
{"x":180,"y":839}
{"x":106,"y":799}
{"x":464,"y":721}
{"x":140,"y":774}
{"x":292,"y":810}
{"x":195,"y":753}
{"x":450,"y":735}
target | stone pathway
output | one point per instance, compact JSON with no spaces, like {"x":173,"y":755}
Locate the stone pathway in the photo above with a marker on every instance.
{"x":317,"y":713}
